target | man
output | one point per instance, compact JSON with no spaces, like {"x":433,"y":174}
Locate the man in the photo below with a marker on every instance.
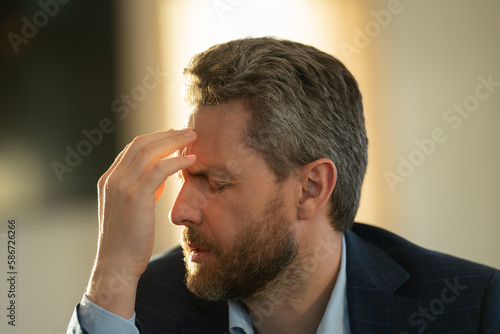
{"x":272,"y":165}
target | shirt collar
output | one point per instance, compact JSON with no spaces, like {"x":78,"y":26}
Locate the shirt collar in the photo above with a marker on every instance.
{"x":335,"y":319}
{"x":239,"y":320}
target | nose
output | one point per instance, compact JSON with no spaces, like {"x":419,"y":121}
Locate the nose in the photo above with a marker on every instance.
{"x":187,"y":208}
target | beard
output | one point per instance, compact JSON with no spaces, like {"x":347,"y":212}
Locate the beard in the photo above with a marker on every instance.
{"x":261,"y":250}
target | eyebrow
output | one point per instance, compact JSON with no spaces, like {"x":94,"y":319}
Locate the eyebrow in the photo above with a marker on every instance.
{"x":205,"y":171}
{"x":210,"y":172}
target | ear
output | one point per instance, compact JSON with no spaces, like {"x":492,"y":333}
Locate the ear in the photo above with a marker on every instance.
{"x":317,"y":180}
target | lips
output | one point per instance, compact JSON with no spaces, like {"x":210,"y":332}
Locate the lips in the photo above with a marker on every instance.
{"x":196,"y":247}
{"x":194,"y":242}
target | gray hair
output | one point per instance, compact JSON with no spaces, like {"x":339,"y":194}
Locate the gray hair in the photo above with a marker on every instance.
{"x":304,"y":104}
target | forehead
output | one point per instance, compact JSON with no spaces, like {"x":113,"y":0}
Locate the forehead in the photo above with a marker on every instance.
{"x":219,"y":120}
{"x":220,"y":132}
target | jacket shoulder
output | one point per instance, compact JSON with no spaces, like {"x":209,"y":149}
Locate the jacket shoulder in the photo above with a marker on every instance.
{"x":451,"y":293}
{"x":415,"y":259}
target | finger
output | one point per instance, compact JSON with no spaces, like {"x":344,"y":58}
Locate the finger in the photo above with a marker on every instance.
{"x":104,"y":177}
{"x":152,"y":153}
{"x":140,"y":141}
{"x":118,"y":159}
{"x":161,"y":170}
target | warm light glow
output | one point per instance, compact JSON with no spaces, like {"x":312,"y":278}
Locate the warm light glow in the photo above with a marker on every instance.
{"x":191,"y":26}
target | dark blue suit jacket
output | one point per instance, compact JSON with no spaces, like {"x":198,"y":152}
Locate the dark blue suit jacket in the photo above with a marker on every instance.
{"x":393,"y":286}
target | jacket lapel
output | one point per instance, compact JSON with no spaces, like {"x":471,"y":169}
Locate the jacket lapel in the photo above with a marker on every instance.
{"x":372,"y":280}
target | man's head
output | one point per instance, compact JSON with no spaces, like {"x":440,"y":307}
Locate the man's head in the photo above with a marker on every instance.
{"x":304,"y":105}
{"x":279,"y":129}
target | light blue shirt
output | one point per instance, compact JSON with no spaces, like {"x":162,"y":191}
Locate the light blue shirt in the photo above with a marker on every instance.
{"x":97,"y":320}
{"x":335,"y":319}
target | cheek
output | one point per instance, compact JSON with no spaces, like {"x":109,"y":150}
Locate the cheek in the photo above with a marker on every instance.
{"x":224,"y":218}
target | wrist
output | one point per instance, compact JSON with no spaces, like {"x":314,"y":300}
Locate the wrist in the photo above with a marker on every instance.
{"x":114,"y":289}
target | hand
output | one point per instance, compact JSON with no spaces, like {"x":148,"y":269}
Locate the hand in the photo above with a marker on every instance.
{"x":127,"y":218}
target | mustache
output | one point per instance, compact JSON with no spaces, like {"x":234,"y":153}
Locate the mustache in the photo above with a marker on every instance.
{"x":194,"y":237}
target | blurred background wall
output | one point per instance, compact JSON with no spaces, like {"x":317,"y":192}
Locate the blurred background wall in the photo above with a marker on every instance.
{"x":428,"y":70}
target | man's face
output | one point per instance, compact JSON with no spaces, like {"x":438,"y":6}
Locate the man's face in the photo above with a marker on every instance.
{"x":239,"y":232}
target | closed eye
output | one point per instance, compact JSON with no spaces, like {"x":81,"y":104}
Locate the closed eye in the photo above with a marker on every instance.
{"x":216,"y":186}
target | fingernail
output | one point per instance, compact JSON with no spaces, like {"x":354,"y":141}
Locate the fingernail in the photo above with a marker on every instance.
{"x":191,"y":157}
{"x":189,"y":133}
